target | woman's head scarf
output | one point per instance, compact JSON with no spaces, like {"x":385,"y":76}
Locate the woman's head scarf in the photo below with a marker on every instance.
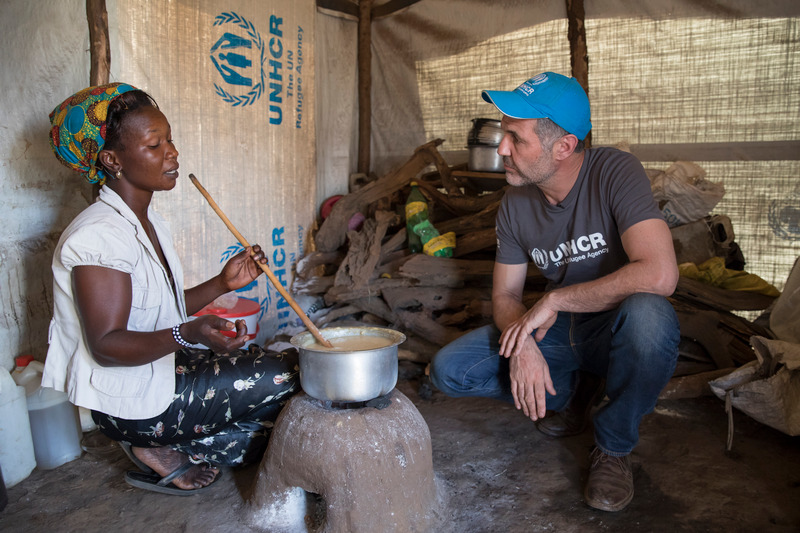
{"x":78,"y":130}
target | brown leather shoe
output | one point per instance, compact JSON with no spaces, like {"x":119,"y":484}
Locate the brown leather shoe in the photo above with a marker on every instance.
{"x":575,"y":418}
{"x":610,"y":485}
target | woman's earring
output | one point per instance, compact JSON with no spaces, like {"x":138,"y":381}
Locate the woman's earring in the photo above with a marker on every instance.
{"x":119,"y":174}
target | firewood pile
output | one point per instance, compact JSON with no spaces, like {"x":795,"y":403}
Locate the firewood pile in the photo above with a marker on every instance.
{"x":368,"y":276}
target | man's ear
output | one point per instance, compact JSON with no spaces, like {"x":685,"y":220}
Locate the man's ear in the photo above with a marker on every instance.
{"x":565,"y":146}
{"x":108,"y":159}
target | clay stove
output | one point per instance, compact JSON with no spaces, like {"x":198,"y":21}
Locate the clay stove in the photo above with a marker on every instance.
{"x":370,"y":464}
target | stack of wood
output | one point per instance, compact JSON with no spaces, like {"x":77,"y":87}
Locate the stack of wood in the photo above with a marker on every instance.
{"x":369,"y":276}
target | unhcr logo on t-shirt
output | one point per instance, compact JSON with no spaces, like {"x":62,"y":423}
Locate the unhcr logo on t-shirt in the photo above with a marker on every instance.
{"x":572,"y":251}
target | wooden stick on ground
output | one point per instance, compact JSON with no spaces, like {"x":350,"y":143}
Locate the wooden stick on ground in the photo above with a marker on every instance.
{"x":275,"y":281}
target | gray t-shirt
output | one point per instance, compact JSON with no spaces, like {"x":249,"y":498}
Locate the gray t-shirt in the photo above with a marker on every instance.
{"x":579,"y":239}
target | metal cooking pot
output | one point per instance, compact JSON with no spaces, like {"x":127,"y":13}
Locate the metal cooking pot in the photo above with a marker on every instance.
{"x":485,"y":131}
{"x":485,"y":159}
{"x":348,"y":376}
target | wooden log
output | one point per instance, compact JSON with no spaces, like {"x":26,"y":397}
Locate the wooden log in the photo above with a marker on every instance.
{"x":721,"y":299}
{"x":702,"y":327}
{"x":735,"y":330}
{"x":481,"y":308}
{"x":445,"y":272}
{"x":314,"y":285}
{"x":692,"y":386}
{"x":391,"y":263}
{"x":433,"y":298}
{"x":417,"y":349}
{"x":396,"y":242}
{"x":461,"y":205}
{"x":332,"y":233}
{"x":498,"y":176}
{"x":465,"y":224}
{"x":364,"y":251}
{"x":422,"y":324}
{"x":337,"y":313}
{"x":376,"y":306}
{"x":308,"y":265}
{"x":373,"y":289}
{"x":475,"y":241}
{"x":450,"y":185}
{"x":418,"y":323}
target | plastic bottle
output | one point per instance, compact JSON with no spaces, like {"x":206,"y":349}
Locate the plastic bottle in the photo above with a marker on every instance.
{"x":85,"y":415}
{"x":416,"y":212}
{"x":433,"y":243}
{"x":54,"y":421}
{"x":16,"y":444}
{"x":21,"y":361}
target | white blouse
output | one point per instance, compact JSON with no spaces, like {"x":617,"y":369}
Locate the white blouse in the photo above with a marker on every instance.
{"x":108,"y":234}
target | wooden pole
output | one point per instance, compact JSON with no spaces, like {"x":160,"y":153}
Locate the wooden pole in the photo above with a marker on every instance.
{"x":578,"y":54}
{"x":364,"y":84}
{"x":99,"y":49}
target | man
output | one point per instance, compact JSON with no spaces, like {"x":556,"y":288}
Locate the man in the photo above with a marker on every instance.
{"x":587,"y":219}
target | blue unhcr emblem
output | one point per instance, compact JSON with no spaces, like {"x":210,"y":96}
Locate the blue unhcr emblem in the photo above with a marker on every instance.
{"x":234,"y":57}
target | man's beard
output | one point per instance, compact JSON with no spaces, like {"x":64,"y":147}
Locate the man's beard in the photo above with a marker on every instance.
{"x":536,"y":174}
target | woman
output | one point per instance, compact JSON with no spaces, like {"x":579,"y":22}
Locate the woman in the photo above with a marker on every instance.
{"x":120,"y":337}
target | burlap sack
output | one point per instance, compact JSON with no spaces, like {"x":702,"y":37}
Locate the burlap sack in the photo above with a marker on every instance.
{"x":767,"y":389}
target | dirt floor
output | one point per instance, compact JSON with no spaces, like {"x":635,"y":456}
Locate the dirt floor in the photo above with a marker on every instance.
{"x":495,"y":472}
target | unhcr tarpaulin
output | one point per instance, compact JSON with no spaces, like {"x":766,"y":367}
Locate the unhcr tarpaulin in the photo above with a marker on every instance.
{"x":236,"y":81}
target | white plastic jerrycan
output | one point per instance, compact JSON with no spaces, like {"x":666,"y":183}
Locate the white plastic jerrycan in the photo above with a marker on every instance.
{"x":55,"y":425}
{"x":16,"y":444}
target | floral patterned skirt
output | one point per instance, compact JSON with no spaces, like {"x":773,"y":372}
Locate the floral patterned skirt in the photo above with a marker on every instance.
{"x":224,"y":406}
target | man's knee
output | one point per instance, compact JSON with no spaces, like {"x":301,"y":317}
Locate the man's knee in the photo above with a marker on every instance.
{"x":647,"y":329}
{"x":439,"y":371}
{"x":650,"y":315}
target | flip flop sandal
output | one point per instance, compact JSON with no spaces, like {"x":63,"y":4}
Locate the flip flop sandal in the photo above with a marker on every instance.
{"x":126,"y":447}
{"x":155,"y":483}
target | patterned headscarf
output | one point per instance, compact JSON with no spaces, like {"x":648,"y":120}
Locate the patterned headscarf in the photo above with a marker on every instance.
{"x":79,"y":128}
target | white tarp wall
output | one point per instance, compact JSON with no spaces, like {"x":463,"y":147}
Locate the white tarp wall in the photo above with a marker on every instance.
{"x":718,"y":82}
{"x":235,"y":79}
{"x":46,"y":58}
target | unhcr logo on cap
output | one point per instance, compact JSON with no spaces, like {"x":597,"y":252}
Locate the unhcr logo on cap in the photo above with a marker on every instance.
{"x":528,"y":86}
{"x":238,"y":55}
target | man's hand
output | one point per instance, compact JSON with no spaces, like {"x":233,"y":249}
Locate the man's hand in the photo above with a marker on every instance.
{"x":530,"y":380}
{"x":515,"y":336}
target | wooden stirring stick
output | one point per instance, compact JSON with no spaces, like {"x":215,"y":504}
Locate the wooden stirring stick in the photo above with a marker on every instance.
{"x":307,"y":321}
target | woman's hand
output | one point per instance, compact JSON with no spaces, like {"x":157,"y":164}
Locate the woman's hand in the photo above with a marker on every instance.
{"x":238,"y":272}
{"x":243,"y":268}
{"x":208,"y":330}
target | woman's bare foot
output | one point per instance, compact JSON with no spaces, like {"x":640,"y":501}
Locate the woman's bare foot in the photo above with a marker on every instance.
{"x":165,"y":460}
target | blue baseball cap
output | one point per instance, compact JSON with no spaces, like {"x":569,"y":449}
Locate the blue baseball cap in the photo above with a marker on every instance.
{"x":547,"y":95}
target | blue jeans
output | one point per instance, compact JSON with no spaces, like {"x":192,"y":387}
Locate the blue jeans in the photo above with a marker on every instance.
{"x":634,"y":347}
